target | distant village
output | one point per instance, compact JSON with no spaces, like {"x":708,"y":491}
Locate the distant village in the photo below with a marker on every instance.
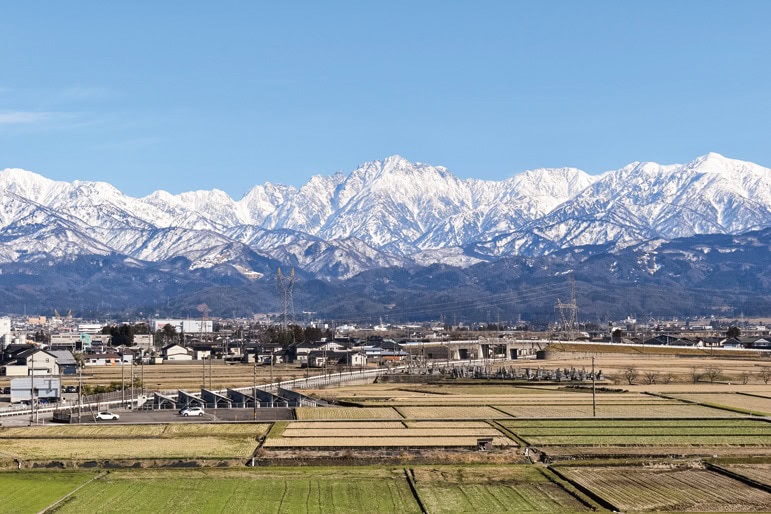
{"x":57,"y":346}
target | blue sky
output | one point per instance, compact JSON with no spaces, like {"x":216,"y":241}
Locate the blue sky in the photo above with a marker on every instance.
{"x":196,"y":95}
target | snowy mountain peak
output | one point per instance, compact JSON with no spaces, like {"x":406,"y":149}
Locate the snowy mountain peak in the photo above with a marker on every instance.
{"x":387,"y":212}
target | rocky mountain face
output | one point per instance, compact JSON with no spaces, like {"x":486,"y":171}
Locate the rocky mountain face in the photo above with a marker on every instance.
{"x":389,"y":214}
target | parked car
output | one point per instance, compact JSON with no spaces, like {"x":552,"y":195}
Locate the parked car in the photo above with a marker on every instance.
{"x":106,"y":416}
{"x":71,"y":389}
{"x":6,"y":390}
{"x":193,"y":411}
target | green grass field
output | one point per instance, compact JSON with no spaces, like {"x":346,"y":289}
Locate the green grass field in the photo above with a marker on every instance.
{"x":275,"y":490}
{"x":34,"y":491}
{"x":492,"y":489}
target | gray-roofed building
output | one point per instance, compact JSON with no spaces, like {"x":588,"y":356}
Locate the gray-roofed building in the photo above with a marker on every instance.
{"x":66,"y":361}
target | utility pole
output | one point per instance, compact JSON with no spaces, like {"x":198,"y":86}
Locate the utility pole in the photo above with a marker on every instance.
{"x":203,"y":372}
{"x":142,"y":372}
{"x":32,"y":391}
{"x":210,"y":370}
{"x":594,"y":399}
{"x":254,"y":389}
{"x":80,"y":391}
{"x":132,"y":381}
{"x":122,"y":382}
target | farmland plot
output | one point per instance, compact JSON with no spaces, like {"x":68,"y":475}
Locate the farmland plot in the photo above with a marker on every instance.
{"x":632,"y":410}
{"x":379,"y":442}
{"x":347,"y":424}
{"x":136,"y":431}
{"x":732,"y":401}
{"x":161,"y":448}
{"x":390,"y":432}
{"x":329,"y":413}
{"x":281,"y":490}
{"x":33,"y":491}
{"x":759,"y":472}
{"x":438,"y":434}
{"x":643,"y":489}
{"x":444,"y":424}
{"x":612,"y":423}
{"x":492,"y":489}
{"x":454,"y":412}
{"x":643,"y":432}
{"x":111,"y":431}
{"x":559,"y":399}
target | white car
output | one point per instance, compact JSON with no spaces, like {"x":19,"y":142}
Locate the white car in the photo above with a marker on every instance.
{"x":106,"y":416}
{"x":193,"y":411}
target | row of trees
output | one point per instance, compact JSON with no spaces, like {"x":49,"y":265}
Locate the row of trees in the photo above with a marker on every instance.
{"x":711,"y":374}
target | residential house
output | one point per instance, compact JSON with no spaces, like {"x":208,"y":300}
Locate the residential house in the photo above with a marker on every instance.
{"x":321,"y":359}
{"x":176,"y":352}
{"x":22,"y":364}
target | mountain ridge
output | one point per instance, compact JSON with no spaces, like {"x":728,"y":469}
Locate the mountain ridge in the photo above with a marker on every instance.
{"x":389,"y":212}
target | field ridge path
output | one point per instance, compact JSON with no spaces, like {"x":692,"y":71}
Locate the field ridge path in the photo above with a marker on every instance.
{"x":64,"y":498}
{"x":409,"y":474}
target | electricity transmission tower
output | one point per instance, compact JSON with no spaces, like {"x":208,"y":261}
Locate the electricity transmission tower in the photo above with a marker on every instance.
{"x":569,"y":312}
{"x":285,"y":289}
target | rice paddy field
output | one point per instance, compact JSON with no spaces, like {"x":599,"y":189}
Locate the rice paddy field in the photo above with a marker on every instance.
{"x":643,"y":432}
{"x":631,"y":410}
{"x":751,"y":403}
{"x":346,"y":413}
{"x":650,"y":448}
{"x":276,"y":490}
{"x":206,"y":447}
{"x":454,"y":412}
{"x":675,"y":489}
{"x":170,"y":441}
{"x":492,"y":489}
{"x":34,"y":491}
{"x":368,"y":434}
{"x":759,"y":472}
{"x":505,"y":401}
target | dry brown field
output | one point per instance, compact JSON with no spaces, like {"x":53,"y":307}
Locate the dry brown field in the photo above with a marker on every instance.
{"x":455,"y":412}
{"x":377,"y":442}
{"x":759,"y":472}
{"x":348,"y":424}
{"x":442,"y":424}
{"x":122,"y":448}
{"x":447,"y":434}
{"x":757,"y":404}
{"x":732,"y":365}
{"x":679,"y":489}
{"x":330,"y":413}
{"x":136,"y":431}
{"x":633,"y":410}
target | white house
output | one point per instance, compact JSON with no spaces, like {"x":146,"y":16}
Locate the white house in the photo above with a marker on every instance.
{"x":176,"y":352}
{"x":43,"y":363}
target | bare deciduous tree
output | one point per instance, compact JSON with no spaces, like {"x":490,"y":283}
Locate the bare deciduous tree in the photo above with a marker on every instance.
{"x":630,"y":374}
{"x":695,"y":375}
{"x":765,"y":374}
{"x":713,"y":373}
{"x":651,"y":376}
{"x":666,"y":378}
{"x":745,"y":377}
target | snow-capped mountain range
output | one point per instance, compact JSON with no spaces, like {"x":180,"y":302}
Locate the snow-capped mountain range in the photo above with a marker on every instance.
{"x":384,"y":213}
